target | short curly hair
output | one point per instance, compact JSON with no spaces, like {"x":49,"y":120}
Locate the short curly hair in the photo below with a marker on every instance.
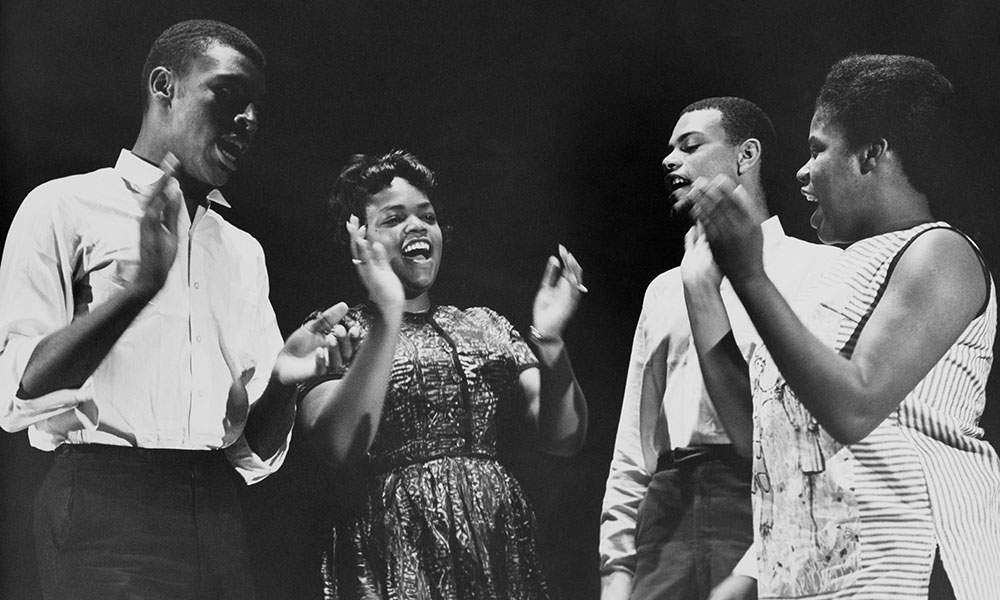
{"x":181,"y":43}
{"x":742,"y":120}
{"x":365,"y":175}
{"x":903,"y":99}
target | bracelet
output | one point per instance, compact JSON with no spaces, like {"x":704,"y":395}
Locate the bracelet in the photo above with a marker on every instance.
{"x":536,"y":337}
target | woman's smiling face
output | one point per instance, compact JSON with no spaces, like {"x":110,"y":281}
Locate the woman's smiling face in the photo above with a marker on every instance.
{"x":402,"y":219}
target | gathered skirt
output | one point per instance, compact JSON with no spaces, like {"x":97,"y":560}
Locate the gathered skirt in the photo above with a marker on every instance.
{"x":449,"y":528}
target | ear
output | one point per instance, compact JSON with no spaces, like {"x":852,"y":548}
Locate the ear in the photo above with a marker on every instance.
{"x":161,"y":85}
{"x":872,"y":154}
{"x":748,"y":155}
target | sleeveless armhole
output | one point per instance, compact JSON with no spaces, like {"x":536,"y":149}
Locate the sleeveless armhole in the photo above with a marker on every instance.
{"x":852,"y":340}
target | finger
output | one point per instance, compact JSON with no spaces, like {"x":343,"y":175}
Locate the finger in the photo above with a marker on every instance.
{"x":354,"y":339}
{"x":334,"y":355}
{"x":353,"y":230}
{"x":570,"y":262}
{"x":335,"y":313}
{"x":377,"y":254}
{"x":572,"y":271}
{"x":322,"y":358}
{"x":339,"y":338}
{"x":327,"y":320}
{"x":551,"y":274}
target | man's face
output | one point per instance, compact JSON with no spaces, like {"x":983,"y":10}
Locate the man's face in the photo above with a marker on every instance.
{"x":698,"y":148}
{"x":402,"y":218}
{"x":214,"y":114}
{"x":832,"y":179}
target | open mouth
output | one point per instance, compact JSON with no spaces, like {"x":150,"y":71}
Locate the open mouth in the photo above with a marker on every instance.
{"x":232,"y":150}
{"x":675,"y":183}
{"x":417,"y":250}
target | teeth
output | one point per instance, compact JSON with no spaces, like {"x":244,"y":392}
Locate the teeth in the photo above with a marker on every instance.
{"x":676,"y":182}
{"x":416,"y":246}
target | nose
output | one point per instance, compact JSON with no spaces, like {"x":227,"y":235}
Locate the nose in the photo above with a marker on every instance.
{"x":671,"y":162}
{"x":415,"y":223}
{"x":803,"y":173}
{"x":249,"y":119}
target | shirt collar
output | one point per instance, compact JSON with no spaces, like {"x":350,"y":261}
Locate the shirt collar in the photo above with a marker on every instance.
{"x":772,"y":231}
{"x":140,"y":174}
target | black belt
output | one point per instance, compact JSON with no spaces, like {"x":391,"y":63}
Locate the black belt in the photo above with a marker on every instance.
{"x":693,"y":456}
{"x":168,"y":456}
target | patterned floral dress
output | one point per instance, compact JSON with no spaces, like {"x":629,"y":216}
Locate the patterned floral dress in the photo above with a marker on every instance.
{"x":441,"y":518}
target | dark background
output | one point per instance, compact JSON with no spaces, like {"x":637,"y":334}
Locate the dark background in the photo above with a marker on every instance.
{"x":546,"y":123}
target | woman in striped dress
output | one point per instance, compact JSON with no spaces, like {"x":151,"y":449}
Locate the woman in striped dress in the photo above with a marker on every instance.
{"x":870,"y":470}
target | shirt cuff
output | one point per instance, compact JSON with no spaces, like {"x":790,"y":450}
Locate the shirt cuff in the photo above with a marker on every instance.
{"x":60,"y":411}
{"x":252,"y":467}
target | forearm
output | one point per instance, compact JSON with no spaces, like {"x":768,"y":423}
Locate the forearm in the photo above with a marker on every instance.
{"x":270,"y":419}
{"x":341,"y":418}
{"x":562,"y":411}
{"x":723,"y":367}
{"x":67,"y":357}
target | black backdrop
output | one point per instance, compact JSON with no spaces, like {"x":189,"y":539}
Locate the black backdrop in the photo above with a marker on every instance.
{"x":546,"y":123}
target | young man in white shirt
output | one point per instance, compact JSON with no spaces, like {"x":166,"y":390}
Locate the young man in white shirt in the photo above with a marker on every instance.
{"x":677,"y":513}
{"x":138,"y":343}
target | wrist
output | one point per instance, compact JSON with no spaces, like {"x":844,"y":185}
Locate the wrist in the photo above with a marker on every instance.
{"x":747,"y":279}
{"x":538,"y":338}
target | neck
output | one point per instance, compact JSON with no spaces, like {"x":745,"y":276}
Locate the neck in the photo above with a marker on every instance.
{"x":152,"y":150}
{"x":416,"y":304}
{"x":900,"y":209}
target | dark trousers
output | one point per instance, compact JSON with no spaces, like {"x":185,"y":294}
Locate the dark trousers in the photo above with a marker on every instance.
{"x":114,"y":523}
{"x":694,"y":524}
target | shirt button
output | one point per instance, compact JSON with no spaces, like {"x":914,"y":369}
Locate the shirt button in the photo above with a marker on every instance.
{"x":197,"y":285}
{"x":197,"y":338}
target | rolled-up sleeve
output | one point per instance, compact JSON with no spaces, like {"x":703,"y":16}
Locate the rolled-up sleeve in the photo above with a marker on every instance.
{"x":629,"y":475}
{"x":36,"y":299}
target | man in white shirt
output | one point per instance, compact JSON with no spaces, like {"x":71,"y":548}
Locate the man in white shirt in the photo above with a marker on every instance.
{"x":677,"y":512}
{"x":138,"y":343}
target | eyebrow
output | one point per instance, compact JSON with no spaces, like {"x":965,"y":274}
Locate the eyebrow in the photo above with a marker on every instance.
{"x":396,"y":207}
{"x":243,"y":81}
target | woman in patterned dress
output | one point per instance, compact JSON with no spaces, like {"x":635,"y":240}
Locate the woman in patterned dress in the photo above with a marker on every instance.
{"x":871,"y":475}
{"x":418,"y":407}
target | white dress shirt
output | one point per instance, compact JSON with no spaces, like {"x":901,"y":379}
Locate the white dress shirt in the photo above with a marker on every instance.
{"x":165,"y":384}
{"x":665,"y":405}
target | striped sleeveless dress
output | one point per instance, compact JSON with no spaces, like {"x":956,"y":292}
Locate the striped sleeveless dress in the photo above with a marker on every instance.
{"x":865,"y":520}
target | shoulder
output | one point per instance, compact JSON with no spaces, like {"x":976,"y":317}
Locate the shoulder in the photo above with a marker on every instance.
{"x":666,"y":285}
{"x":62,"y":202}
{"x":481,"y":313}
{"x":941,"y":264}
{"x":59,"y":192}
